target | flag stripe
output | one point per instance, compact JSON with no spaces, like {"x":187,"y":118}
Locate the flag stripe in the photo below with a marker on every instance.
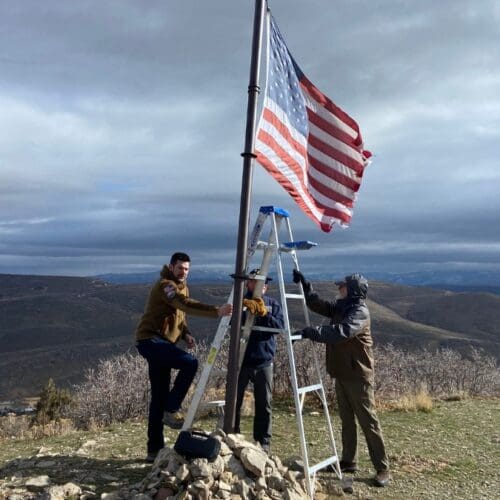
{"x":285,"y":162}
{"x":337,"y":191}
{"x":330,"y":151}
{"x":345,"y":122}
{"x":330,"y":130}
{"x":333,"y":174}
{"x":322,"y":215}
{"x":291,"y":155}
{"x":283,"y":127}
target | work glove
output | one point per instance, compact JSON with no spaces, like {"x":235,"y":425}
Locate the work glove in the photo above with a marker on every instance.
{"x":306,"y":332}
{"x":298,"y":277}
{"x":255,"y":306}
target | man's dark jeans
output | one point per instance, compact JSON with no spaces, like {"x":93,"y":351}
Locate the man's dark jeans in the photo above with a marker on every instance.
{"x":163,"y":356}
{"x":262,"y":379}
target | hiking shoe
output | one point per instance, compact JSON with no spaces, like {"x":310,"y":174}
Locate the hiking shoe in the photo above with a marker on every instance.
{"x":266,"y":447}
{"x":348,"y":466}
{"x":382,"y":478}
{"x":151,"y":456}
{"x":174,"y":420}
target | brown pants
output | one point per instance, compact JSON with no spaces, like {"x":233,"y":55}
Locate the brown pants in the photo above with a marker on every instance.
{"x":356,"y":399}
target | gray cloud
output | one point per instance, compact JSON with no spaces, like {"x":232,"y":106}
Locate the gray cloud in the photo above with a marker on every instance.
{"x":123,"y":123}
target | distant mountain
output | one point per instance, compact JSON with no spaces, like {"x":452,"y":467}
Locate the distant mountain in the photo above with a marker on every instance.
{"x":457,"y":280}
{"x":60,"y":326}
{"x":197,"y":276}
{"x":449,"y":279}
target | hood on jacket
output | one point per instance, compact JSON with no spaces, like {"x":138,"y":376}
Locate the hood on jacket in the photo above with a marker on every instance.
{"x":167,"y":274}
{"x":357,"y":286}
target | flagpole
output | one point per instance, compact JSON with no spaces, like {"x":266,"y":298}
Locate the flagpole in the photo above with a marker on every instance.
{"x":246,"y":190}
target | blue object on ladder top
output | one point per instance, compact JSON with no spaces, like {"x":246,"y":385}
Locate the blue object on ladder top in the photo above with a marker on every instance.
{"x":300,"y":245}
{"x":278,"y":211}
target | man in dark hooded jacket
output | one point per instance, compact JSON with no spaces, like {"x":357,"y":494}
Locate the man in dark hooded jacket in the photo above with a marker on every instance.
{"x":349,"y":359}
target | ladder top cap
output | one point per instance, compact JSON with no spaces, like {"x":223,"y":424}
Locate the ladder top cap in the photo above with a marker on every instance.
{"x":300,"y":245}
{"x":278,"y":211}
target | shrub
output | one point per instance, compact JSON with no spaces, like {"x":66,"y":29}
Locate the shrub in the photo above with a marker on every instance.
{"x":115,"y":391}
{"x":118,"y":389}
{"x":52,"y":405}
{"x":13,"y":426}
{"x":443,"y":372}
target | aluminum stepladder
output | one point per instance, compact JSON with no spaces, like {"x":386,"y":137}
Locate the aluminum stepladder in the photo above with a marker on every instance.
{"x":273,"y":247}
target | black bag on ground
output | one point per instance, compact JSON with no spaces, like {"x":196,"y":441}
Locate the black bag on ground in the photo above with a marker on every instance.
{"x":197,"y":444}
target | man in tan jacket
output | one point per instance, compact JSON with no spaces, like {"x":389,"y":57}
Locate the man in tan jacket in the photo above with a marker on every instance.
{"x":162,"y":325}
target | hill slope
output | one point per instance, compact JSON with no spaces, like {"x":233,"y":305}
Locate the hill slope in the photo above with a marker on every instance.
{"x":59,"y":326}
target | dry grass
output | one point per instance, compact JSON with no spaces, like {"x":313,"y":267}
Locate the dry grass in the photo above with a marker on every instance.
{"x":419,"y":401}
{"x":21,"y":427}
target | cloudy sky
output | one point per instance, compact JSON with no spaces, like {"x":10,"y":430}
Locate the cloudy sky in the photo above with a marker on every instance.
{"x":122,"y":123}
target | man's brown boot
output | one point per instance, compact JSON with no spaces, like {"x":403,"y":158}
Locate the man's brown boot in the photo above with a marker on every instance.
{"x":382,"y":478}
{"x":348,"y":466}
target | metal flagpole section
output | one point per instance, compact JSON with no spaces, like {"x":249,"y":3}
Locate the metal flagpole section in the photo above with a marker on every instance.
{"x":246,"y":188}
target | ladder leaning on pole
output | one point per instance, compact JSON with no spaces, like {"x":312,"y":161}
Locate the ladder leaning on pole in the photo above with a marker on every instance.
{"x":273,"y":247}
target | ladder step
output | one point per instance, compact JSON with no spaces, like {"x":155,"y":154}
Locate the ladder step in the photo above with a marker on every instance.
{"x":277,"y":210}
{"x":322,"y":465}
{"x":294,"y":296}
{"x":263,"y":244}
{"x":267,"y":329}
{"x":309,"y":388}
{"x":297,"y":245}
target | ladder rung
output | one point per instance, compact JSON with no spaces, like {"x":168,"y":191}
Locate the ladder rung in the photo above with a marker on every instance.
{"x":267,"y":329}
{"x":309,"y":388}
{"x":322,"y":465}
{"x":263,"y":244}
{"x":294,"y":296}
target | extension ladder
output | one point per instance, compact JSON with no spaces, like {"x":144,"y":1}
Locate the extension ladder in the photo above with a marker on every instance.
{"x":273,"y":247}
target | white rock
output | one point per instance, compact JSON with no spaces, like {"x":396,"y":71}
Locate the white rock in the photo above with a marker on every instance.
{"x":38,"y":481}
{"x":217,"y":467}
{"x":291,"y":475}
{"x":235,"y":441}
{"x":113,"y":495}
{"x":275,"y":481}
{"x":260,"y":484}
{"x":224,"y":449}
{"x":290,"y":494}
{"x":254,"y":460}
{"x":65,"y":491}
{"x":243,"y":489}
{"x":224,"y":486}
{"x":235,"y":467}
{"x":199,"y":468}
{"x":262,"y":495}
{"x":182,"y":473}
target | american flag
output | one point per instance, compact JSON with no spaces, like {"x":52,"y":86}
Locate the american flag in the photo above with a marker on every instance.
{"x":306,"y":142}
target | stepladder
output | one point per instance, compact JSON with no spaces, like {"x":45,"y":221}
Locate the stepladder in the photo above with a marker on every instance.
{"x":279,"y":251}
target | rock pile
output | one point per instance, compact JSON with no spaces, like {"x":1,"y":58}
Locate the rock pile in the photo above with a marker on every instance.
{"x":242,"y":470}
